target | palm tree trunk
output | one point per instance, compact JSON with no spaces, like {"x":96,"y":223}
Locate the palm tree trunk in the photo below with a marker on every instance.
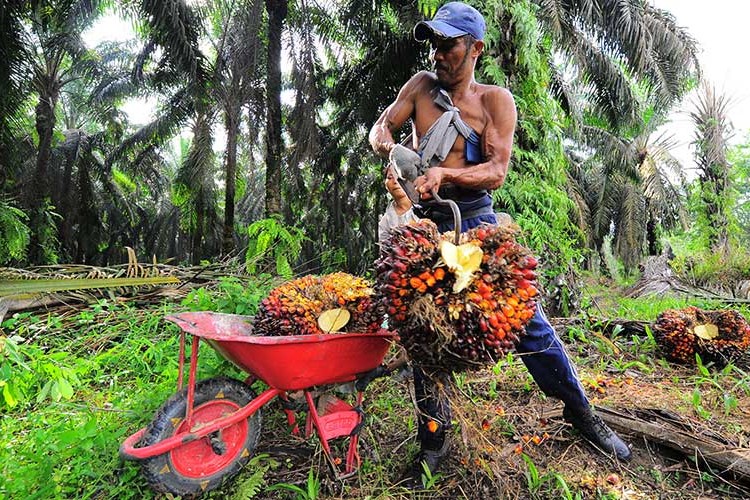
{"x":233,"y":130}
{"x":87,"y":218}
{"x":652,"y":239}
{"x":277,"y":11}
{"x":66,"y":204}
{"x":197,"y":236}
{"x":45,"y":126}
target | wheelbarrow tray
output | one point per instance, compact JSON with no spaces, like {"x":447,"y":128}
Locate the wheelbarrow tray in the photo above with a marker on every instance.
{"x":291,"y":362}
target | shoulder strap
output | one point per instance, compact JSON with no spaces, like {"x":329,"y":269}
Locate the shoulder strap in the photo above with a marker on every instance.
{"x":439,"y":139}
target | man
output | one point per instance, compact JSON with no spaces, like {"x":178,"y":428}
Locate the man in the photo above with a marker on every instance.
{"x":463,"y":131}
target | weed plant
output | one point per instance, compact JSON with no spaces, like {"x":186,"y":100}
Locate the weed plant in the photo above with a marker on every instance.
{"x":76,"y":383}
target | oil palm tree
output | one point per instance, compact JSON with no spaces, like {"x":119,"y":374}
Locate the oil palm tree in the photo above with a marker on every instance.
{"x":15,"y":72}
{"x":611,"y":45}
{"x":172,"y":66}
{"x":712,"y":133}
{"x":612,"y":63}
{"x":59,"y":57}
{"x":236,"y":84}
{"x":627,"y":188}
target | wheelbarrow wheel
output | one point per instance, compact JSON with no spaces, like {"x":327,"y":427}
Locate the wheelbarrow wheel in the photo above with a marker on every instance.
{"x":203,"y":464}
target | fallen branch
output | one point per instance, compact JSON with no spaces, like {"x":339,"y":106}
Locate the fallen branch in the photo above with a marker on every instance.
{"x":657,"y":279}
{"x":679,"y":433}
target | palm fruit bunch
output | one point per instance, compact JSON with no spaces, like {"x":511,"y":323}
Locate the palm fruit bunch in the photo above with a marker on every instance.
{"x":456,"y":307}
{"x":319,"y":304}
{"x":718,"y":337}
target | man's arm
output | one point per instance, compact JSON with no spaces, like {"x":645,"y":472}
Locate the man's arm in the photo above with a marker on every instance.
{"x":394,"y":116}
{"x":497,"y":142}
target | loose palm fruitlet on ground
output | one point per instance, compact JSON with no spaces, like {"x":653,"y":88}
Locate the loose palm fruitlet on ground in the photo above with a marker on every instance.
{"x":719,"y":337}
{"x":319,"y":304}
{"x":456,"y":307}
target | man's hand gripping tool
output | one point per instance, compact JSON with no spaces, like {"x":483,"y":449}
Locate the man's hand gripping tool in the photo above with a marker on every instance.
{"x":407,"y":166}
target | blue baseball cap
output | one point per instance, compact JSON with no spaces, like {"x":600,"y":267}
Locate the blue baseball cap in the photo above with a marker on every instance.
{"x":452,"y":20}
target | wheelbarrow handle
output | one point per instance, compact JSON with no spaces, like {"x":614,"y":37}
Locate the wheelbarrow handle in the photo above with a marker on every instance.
{"x":383,"y":370}
{"x":366,"y":378}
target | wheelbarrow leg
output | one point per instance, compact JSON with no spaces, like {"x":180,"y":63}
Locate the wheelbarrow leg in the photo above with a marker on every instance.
{"x":291,"y":417}
{"x":337,"y":419}
{"x":353,"y":460}
{"x":191,"y":380}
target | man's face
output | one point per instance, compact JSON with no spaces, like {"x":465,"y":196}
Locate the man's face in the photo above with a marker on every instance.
{"x":451,"y":58}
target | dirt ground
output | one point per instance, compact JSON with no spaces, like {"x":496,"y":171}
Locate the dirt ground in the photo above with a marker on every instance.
{"x":494,"y":434}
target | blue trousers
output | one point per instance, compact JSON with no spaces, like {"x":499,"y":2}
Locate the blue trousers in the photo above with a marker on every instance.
{"x":540,"y":350}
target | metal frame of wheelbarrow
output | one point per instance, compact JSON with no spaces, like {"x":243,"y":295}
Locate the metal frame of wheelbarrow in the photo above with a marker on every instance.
{"x":342,"y":420}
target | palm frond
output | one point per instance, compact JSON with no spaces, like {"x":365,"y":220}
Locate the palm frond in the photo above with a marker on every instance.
{"x":176,"y":27}
{"x":27,"y":288}
{"x":612,"y":92}
{"x":305,"y":72}
{"x":171,"y":117}
{"x":565,"y":93}
{"x":14,"y":72}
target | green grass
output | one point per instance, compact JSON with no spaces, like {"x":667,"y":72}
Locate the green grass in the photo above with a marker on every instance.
{"x":83,"y":381}
{"x":80,"y":385}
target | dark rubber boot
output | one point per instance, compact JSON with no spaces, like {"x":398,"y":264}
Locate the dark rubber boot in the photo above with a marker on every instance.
{"x":593,"y":428}
{"x":428,"y":457}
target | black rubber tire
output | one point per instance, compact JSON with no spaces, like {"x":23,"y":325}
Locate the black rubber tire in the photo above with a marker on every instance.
{"x":160,"y":471}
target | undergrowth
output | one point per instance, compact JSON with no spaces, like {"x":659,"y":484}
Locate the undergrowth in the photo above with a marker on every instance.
{"x":76,"y":383}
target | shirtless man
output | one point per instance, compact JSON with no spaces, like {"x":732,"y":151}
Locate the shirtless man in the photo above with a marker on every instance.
{"x":464,"y":131}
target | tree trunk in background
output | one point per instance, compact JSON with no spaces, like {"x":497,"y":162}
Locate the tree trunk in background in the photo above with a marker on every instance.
{"x":233,"y":129}
{"x":652,"y":239}
{"x":45,"y":126}
{"x":715,"y":186}
{"x":277,"y":11}
{"x":67,"y":202}
{"x":197,"y":236}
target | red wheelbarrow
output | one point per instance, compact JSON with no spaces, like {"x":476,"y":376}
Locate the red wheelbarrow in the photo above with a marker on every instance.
{"x":209,"y":429}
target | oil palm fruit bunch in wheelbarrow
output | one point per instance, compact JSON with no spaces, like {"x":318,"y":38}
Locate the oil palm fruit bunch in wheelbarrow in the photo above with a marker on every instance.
{"x":718,"y":337}
{"x":456,"y":307}
{"x":319,"y":304}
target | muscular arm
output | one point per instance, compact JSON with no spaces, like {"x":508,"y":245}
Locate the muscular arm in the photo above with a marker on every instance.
{"x":497,"y":142}
{"x":395,"y":115}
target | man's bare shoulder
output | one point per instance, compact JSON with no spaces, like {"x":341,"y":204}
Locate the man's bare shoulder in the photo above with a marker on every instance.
{"x":422,"y":81}
{"x":494,"y":96}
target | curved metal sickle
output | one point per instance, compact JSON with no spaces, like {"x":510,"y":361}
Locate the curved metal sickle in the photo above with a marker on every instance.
{"x":456,"y":214}
{"x":413,"y":195}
